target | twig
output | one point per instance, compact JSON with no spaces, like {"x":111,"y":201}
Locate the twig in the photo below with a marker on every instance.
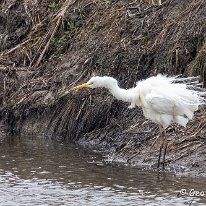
{"x":185,"y":154}
{"x":7,"y":69}
{"x":53,"y":31}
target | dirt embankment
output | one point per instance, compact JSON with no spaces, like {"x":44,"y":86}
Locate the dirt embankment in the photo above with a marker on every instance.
{"x":48,"y":46}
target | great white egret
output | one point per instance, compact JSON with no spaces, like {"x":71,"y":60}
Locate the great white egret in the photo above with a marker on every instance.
{"x":164,"y":100}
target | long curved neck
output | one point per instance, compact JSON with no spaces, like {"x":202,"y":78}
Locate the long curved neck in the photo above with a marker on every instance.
{"x":121,"y":94}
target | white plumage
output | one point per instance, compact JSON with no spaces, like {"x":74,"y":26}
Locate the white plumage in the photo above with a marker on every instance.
{"x":164,"y":100}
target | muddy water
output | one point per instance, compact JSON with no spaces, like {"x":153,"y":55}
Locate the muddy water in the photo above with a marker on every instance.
{"x":34,"y":172}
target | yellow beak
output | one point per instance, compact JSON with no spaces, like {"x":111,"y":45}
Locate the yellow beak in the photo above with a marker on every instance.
{"x":81,"y":86}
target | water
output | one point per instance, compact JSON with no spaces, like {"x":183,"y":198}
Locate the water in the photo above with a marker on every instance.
{"x":41,"y":172}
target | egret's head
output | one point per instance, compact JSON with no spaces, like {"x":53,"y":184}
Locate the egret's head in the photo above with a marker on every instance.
{"x":97,"y":81}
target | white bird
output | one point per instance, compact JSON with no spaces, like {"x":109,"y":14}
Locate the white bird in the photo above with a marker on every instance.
{"x":164,"y":100}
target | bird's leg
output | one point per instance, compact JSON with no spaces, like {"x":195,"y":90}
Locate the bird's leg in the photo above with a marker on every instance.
{"x":133,"y":104}
{"x":161,"y":146}
{"x":165,"y":143}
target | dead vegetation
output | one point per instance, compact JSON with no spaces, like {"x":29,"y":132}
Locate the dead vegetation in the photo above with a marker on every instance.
{"x":48,"y":46}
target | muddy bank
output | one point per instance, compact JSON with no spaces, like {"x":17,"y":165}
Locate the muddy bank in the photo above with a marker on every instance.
{"x":49,"y":46}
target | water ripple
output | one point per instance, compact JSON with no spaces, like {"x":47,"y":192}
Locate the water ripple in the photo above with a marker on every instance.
{"x":45,"y":173}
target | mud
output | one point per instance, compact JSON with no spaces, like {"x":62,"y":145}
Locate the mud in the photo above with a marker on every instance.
{"x":49,"y":46}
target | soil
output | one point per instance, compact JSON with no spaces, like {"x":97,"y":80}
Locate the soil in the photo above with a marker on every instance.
{"x":48,"y":46}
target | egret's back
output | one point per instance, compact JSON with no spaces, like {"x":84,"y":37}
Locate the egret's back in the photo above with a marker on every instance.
{"x":170,"y":99}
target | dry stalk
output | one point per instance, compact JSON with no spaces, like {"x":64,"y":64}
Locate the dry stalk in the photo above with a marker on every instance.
{"x":53,"y":30}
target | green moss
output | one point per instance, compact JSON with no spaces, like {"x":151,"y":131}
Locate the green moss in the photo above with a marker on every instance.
{"x":61,"y":57}
{"x":107,"y":2}
{"x":58,"y":41}
{"x":52,"y":5}
{"x":71,"y":25}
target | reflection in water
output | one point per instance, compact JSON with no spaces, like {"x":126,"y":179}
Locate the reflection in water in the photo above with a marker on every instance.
{"x":41,"y":172}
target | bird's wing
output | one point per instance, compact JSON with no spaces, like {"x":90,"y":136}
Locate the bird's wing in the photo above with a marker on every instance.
{"x":162,"y":104}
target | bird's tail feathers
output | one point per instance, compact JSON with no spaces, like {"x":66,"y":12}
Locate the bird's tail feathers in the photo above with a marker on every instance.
{"x":185,"y":90}
{"x":186,"y":80}
{"x":198,"y":98}
{"x":194,"y":85}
